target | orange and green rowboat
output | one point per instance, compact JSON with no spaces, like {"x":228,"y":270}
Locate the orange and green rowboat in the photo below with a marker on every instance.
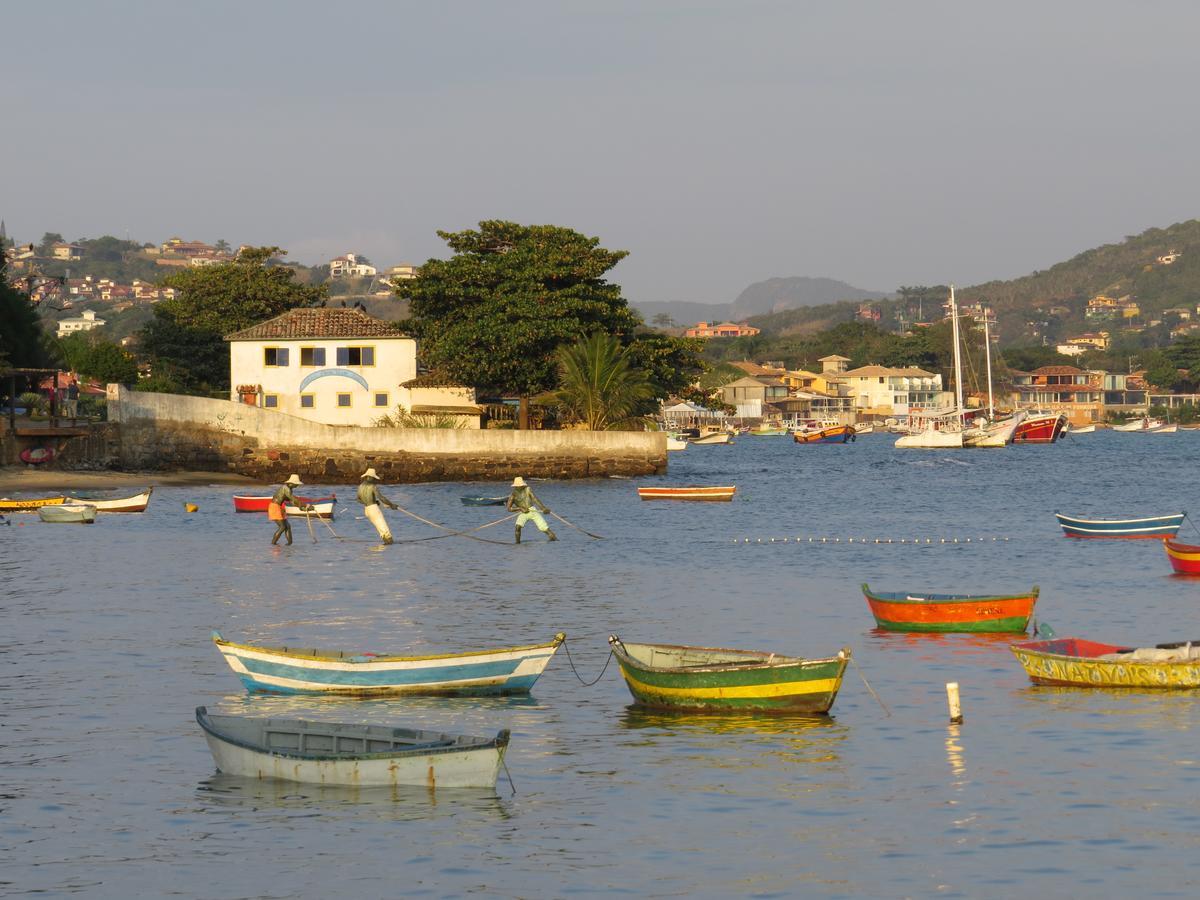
{"x":899,"y":611}
{"x":711,"y":679}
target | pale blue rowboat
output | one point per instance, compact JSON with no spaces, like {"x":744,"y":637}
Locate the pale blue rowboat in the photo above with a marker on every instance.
{"x":1148,"y":527}
{"x":298,"y":670}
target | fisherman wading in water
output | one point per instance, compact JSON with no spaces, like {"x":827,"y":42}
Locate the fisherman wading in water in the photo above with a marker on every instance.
{"x":370,"y":498}
{"x":524,"y":501}
{"x":277,"y":508}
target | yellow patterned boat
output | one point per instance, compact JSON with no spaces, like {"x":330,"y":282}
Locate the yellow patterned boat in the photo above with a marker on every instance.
{"x":1075,"y":662}
{"x":30,"y":505}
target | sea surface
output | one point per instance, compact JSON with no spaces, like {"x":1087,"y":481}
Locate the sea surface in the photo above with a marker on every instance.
{"x":107,"y":787}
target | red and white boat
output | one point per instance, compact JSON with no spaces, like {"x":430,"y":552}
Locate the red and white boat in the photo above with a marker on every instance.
{"x":136,"y":503}
{"x":322,"y":506}
{"x":693,"y":492}
{"x":1040,"y":428}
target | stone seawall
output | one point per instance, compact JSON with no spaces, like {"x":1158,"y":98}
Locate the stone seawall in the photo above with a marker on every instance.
{"x":170,"y":432}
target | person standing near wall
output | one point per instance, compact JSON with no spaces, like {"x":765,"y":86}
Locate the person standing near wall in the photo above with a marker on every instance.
{"x":370,"y":497}
{"x":277,"y":508}
{"x":524,"y":501}
{"x":72,"y":401}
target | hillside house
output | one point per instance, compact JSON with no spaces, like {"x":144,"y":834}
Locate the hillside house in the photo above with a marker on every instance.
{"x":66,"y":251}
{"x":340,"y":367}
{"x":725,"y":329}
{"x":349,"y":265}
{"x":86,"y":322}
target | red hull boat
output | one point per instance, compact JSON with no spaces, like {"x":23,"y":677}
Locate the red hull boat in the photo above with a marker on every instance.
{"x":1185,"y":558}
{"x":1040,"y":429}
{"x":245,"y":503}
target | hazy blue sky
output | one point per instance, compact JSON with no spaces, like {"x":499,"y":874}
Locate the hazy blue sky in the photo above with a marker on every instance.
{"x":720,"y":143}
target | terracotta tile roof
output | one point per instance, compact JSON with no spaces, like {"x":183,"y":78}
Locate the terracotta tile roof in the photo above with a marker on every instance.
{"x":317,"y":323}
{"x":432,"y":380}
{"x":1057,"y":370}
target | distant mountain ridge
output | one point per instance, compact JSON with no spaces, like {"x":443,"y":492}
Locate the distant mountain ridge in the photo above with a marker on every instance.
{"x":760,"y":298}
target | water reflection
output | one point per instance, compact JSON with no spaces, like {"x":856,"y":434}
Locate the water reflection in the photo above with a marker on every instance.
{"x":401,"y":802}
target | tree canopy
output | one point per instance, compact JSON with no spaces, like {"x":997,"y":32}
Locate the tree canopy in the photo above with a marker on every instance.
{"x":185,"y":338}
{"x":496,"y":312}
{"x":95,"y":357}
{"x":599,"y":383}
{"x":22,"y":342}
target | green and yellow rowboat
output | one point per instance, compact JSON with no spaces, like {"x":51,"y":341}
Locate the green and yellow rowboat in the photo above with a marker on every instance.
{"x":665,"y":676}
{"x":33,"y":504}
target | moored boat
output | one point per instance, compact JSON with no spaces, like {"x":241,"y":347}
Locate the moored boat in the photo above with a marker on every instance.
{"x":676,"y":443}
{"x":1082,"y":429}
{"x":298,"y":670}
{"x":1040,"y":428}
{"x":483,"y":501}
{"x":713,"y":437}
{"x":833,"y":434}
{"x":74,"y":513}
{"x":900,"y":611}
{"x":323,"y":507}
{"x":1148,"y":527}
{"x":1165,"y":429}
{"x":357,"y":755}
{"x":1145,"y":425}
{"x":33,"y":504}
{"x":136,"y":503}
{"x":1075,"y":662}
{"x":715,"y":679}
{"x":1184,"y":558}
{"x":864,"y":429}
{"x":692,"y":492}
{"x":769,"y":431}
{"x":931,"y":438}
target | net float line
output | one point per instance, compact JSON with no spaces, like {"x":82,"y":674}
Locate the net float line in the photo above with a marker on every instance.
{"x":927,"y":541}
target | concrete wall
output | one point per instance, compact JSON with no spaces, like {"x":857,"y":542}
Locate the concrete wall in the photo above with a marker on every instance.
{"x":170,"y":431}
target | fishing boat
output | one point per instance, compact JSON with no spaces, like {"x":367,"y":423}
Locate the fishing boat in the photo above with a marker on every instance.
{"x":994,"y":434}
{"x":357,"y":755}
{"x":693,"y":492}
{"x":1040,"y":428}
{"x":713,"y":437}
{"x":900,"y":611}
{"x":74,"y":513}
{"x":323,"y":507}
{"x":1075,"y":662}
{"x":1185,"y":558}
{"x":484,"y":501}
{"x":676,"y":443}
{"x":860,"y":430}
{"x":136,"y":503}
{"x":300,"y":670}
{"x":769,"y":431}
{"x":1145,"y":425}
{"x":8,"y":505}
{"x":1082,"y":429}
{"x":940,"y":429}
{"x":1148,"y":527}
{"x":719,"y":680}
{"x":831,"y":434}
{"x":1165,"y":429}
{"x":932,"y":437}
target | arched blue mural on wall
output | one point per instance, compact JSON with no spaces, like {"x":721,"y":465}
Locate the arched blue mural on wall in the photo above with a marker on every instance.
{"x":324,"y":373}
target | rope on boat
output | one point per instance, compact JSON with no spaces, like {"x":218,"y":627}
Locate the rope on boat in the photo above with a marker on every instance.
{"x":508,"y":775}
{"x":840,"y":540}
{"x":576,"y":527}
{"x":858,"y":669}
{"x":576,"y":671}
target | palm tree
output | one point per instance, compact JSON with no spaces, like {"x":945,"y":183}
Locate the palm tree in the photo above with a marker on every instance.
{"x":598,"y":383}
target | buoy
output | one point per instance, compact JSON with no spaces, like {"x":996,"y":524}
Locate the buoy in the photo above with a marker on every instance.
{"x":955,"y":703}
{"x":191,"y":507}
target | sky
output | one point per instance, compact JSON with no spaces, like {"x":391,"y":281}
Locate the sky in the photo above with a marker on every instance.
{"x":879,"y":143}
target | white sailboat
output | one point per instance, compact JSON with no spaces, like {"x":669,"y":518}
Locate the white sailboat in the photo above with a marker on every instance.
{"x":994,"y":434}
{"x":942,"y":430}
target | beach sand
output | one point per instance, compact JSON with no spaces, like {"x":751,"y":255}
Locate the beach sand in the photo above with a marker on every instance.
{"x":26,"y":479}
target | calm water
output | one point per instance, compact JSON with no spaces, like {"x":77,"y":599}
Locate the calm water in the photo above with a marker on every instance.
{"x":107,"y":787}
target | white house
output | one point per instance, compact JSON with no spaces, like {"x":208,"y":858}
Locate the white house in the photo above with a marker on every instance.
{"x":886,"y":391}
{"x":339,"y":367}
{"x":85,"y":322}
{"x":348,"y":265}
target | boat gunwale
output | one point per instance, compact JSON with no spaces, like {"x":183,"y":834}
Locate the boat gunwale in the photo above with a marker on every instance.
{"x":933,"y":599}
{"x":551,"y":645}
{"x":1033,"y":649}
{"x":499,"y":742}
{"x":1180,"y":550}
{"x":763,"y":663}
{"x":1062,"y":517}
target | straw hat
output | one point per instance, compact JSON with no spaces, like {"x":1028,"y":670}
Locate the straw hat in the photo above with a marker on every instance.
{"x":519,"y":482}
{"x":370,"y":473}
{"x":294,"y":480}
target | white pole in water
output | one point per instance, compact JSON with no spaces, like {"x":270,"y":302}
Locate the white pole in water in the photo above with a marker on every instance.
{"x":955,"y":704}
{"x":958,"y":392}
{"x":987,"y":343}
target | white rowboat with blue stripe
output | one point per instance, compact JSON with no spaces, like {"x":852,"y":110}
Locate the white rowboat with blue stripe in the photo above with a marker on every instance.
{"x":296,"y":670}
{"x":1147,"y":527}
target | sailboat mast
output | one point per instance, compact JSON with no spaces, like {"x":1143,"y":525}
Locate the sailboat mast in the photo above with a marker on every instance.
{"x":958,"y":392}
{"x":987,"y":343}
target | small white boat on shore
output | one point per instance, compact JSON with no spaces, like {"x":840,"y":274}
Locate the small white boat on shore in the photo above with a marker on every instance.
{"x":356,"y":755}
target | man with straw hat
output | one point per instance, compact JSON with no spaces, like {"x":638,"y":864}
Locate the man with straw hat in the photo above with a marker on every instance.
{"x":277,"y":508}
{"x":524,"y":501}
{"x":370,"y":498}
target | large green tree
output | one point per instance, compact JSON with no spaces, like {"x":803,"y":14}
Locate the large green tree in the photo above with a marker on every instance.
{"x":22,"y":341}
{"x":496,"y":312}
{"x":95,"y":357}
{"x":185,"y":339}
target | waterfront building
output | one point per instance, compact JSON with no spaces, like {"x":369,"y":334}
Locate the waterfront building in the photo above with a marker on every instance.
{"x":339,"y":367}
{"x":1062,"y":389}
{"x":886,"y":392}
